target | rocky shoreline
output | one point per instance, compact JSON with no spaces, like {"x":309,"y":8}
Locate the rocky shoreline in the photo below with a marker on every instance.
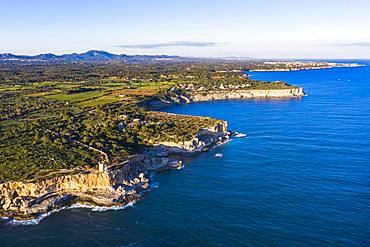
{"x":118,"y":185}
{"x":211,"y":95}
{"x":124,"y":183}
{"x":248,"y":94}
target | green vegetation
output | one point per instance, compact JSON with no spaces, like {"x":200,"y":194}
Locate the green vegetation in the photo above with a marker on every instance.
{"x":58,"y":117}
{"x":75,"y":97}
{"x":107,"y":99}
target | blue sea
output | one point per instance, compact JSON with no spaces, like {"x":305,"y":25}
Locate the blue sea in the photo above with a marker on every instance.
{"x":300,"y":178}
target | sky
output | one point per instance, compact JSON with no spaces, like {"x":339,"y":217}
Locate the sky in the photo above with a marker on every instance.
{"x":200,"y":28}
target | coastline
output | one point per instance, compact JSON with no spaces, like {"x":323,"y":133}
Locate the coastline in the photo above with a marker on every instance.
{"x":298,"y":66}
{"x":124,"y":183}
{"x":213,"y":95}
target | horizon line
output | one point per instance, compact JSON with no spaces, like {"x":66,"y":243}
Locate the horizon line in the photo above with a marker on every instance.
{"x":191,"y":56}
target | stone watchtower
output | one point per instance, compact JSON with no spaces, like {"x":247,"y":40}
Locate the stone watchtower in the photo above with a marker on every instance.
{"x":102,"y":166}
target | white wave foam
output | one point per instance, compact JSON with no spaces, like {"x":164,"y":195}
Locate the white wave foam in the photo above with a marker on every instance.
{"x":30,"y":222}
{"x":154,"y":185}
{"x":180,"y":167}
{"x":101,"y":208}
{"x":222,"y":143}
{"x":43,"y":216}
{"x":4,"y":218}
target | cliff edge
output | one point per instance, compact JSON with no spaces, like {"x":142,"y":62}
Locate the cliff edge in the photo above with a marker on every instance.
{"x":116,"y":185}
{"x":120,"y":184}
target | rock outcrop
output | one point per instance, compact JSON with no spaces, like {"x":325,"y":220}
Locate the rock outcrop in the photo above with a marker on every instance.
{"x":125,"y":182}
{"x":179,"y":97}
{"x":247,"y":94}
{"x":118,"y":186}
{"x":203,"y":140}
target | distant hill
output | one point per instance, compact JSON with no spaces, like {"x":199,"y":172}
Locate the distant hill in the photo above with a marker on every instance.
{"x":92,"y":55}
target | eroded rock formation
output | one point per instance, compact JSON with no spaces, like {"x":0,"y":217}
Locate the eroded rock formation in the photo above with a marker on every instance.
{"x":116,"y":187}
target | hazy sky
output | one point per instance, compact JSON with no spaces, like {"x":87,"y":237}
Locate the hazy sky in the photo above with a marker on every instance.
{"x":257,"y":28}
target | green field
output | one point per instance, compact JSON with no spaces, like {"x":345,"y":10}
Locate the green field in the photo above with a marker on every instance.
{"x":76,"y":97}
{"x":41,"y":135}
{"x":103,"y":100}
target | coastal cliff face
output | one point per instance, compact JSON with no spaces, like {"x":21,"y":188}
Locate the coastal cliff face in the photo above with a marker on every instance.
{"x":125,"y":182}
{"x":116,"y":187}
{"x":247,"y":94}
{"x":203,"y":140}
{"x":179,"y":97}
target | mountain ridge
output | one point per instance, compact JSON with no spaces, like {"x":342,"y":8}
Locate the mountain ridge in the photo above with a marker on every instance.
{"x":92,"y":55}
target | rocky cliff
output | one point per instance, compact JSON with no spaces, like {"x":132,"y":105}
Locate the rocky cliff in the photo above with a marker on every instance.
{"x":125,"y":182}
{"x":247,"y":94}
{"x":117,"y":186}
{"x":179,"y":97}
{"x":203,"y":140}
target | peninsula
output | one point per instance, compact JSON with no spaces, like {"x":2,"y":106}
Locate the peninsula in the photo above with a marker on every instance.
{"x":91,"y":132}
{"x":300,"y":65}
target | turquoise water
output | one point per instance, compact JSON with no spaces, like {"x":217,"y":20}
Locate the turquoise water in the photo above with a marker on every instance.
{"x":300,"y":178}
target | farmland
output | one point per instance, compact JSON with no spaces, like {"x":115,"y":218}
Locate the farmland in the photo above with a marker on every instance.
{"x":51,"y":114}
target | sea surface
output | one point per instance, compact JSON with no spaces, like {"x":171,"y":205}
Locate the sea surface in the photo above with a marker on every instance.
{"x":300,"y":178}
